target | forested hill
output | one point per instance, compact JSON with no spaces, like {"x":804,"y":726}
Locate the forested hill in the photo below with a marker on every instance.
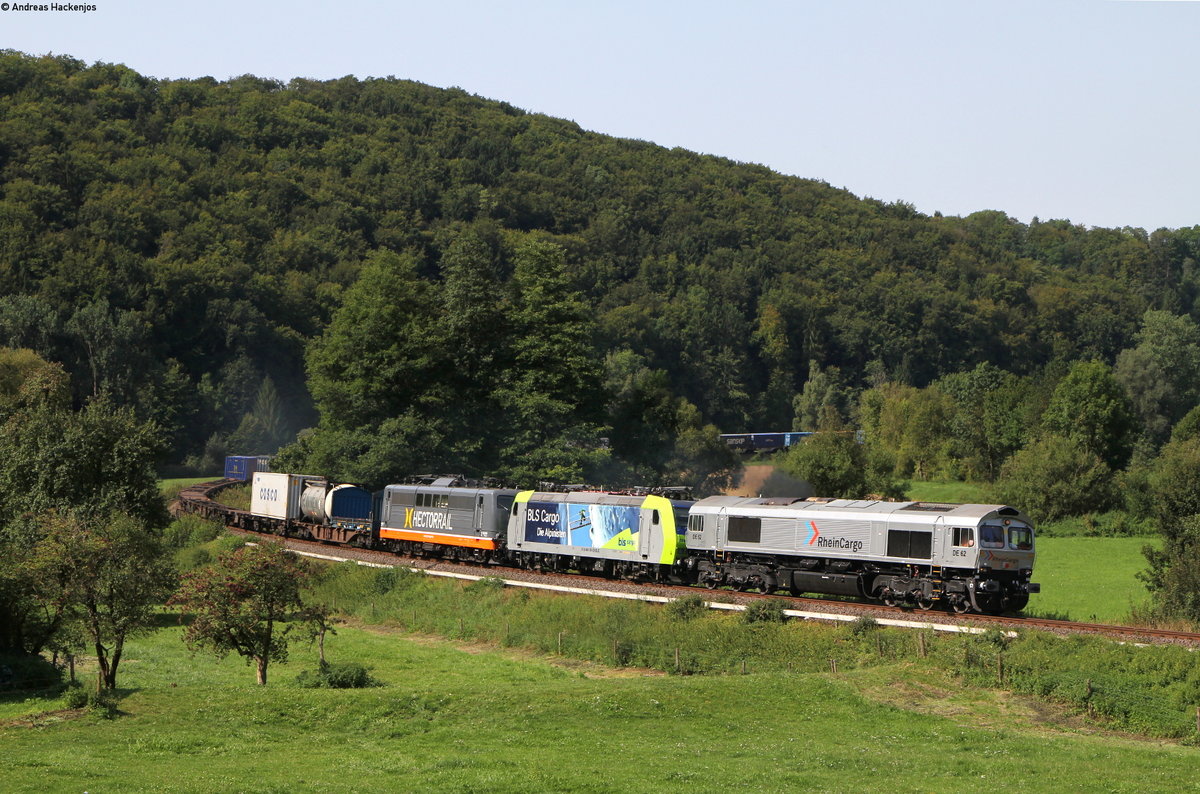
{"x":177,"y":244}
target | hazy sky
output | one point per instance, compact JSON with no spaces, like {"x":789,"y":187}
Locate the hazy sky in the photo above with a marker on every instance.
{"x":1087,"y":110}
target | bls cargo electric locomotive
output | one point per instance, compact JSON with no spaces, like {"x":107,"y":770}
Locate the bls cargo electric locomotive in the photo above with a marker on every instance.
{"x":964,"y":557}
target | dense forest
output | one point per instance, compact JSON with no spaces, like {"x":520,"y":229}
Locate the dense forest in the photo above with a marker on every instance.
{"x":415,"y":278}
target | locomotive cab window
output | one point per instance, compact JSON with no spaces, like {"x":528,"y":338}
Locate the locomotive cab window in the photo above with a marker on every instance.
{"x":991,"y":536}
{"x":1020,"y":538}
{"x":964,"y":536}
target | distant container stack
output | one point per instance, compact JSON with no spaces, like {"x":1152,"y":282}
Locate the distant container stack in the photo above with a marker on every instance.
{"x":243,"y":467}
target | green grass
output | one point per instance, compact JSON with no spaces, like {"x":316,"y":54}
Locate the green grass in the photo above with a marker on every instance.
{"x":951,"y":492}
{"x":1091,"y":579}
{"x":171,"y":488}
{"x":483,"y":720}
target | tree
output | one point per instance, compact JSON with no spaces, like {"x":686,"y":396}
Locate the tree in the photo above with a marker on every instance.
{"x":94,"y":463}
{"x":1162,"y":372}
{"x":1090,"y":407}
{"x":1055,"y":477}
{"x":836,"y":464}
{"x":237,"y":602}
{"x":551,"y":392}
{"x":823,"y":389}
{"x":912,"y":426}
{"x":988,"y":422}
{"x":105,"y":574}
{"x":1174,"y":573}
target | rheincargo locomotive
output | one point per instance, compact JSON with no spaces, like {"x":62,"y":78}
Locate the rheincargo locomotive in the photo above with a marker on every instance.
{"x":965,"y":557}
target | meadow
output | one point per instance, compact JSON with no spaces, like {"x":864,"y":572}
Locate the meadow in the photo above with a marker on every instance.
{"x":471,"y":717}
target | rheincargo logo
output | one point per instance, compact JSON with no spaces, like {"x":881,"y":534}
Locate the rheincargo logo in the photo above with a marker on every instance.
{"x":839,"y":543}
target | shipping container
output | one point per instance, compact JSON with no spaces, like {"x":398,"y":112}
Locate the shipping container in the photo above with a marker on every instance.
{"x":277,"y":495}
{"x":243,"y":467}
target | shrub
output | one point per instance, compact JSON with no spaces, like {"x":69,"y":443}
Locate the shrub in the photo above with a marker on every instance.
{"x":1055,"y":477}
{"x":488,"y":584}
{"x":188,"y":531}
{"x":103,"y":704}
{"x":687,"y":608}
{"x":75,"y":697}
{"x":194,"y":558}
{"x":765,"y":611}
{"x":863,"y":625}
{"x":345,"y":675}
{"x":388,"y":579}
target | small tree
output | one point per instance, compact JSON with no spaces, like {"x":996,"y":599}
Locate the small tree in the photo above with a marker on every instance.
{"x":1055,"y":477}
{"x":319,"y":620}
{"x":237,"y":602}
{"x":106,"y":576}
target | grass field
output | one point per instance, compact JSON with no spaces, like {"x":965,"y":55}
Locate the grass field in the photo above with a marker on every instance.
{"x":171,"y":488}
{"x":950,"y":492}
{"x":477,"y":719}
{"x":1092,"y":579}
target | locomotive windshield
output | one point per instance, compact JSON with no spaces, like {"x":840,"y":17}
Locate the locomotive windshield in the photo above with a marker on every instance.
{"x":991,"y":536}
{"x":1020,"y":538}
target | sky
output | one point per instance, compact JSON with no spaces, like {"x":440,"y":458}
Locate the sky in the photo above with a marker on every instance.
{"x":1086,"y":110}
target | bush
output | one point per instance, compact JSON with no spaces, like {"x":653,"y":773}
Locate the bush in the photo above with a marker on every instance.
{"x":765,"y":611}
{"x":194,"y":558}
{"x":75,"y":697}
{"x":687,"y":608}
{"x":488,"y":584}
{"x":388,"y":579}
{"x":1055,"y":477}
{"x":863,"y":625}
{"x":346,"y":675}
{"x":188,"y":531}
{"x":103,"y":704}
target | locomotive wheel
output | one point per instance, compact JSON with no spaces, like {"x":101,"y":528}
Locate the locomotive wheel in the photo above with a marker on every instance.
{"x":990,"y":604}
{"x":711,"y":584}
{"x":1017,"y":603}
{"x":960,"y":605}
{"x":888,"y":597}
{"x":924,"y":603}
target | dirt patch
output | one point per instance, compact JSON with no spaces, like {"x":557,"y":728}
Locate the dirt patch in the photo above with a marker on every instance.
{"x":43,"y":719}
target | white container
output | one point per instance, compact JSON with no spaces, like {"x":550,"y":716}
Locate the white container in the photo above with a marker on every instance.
{"x":277,"y":495}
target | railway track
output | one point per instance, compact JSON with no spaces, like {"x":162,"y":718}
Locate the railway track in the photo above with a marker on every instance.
{"x":197,"y":499}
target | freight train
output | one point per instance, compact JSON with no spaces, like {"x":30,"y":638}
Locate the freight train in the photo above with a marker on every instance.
{"x":968,"y":558}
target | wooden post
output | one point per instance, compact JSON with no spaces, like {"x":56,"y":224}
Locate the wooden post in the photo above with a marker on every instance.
{"x":833,"y":665}
{"x":921,"y":644}
{"x":461,"y":628}
{"x":677,"y":668}
{"x":616,"y":652}
{"x":1197,"y":719}
{"x":560,"y":642}
{"x":999,"y":669}
{"x":743,"y":667}
{"x":879,"y":644}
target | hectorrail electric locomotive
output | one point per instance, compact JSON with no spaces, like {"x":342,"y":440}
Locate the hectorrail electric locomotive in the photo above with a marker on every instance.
{"x":965,"y":557}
